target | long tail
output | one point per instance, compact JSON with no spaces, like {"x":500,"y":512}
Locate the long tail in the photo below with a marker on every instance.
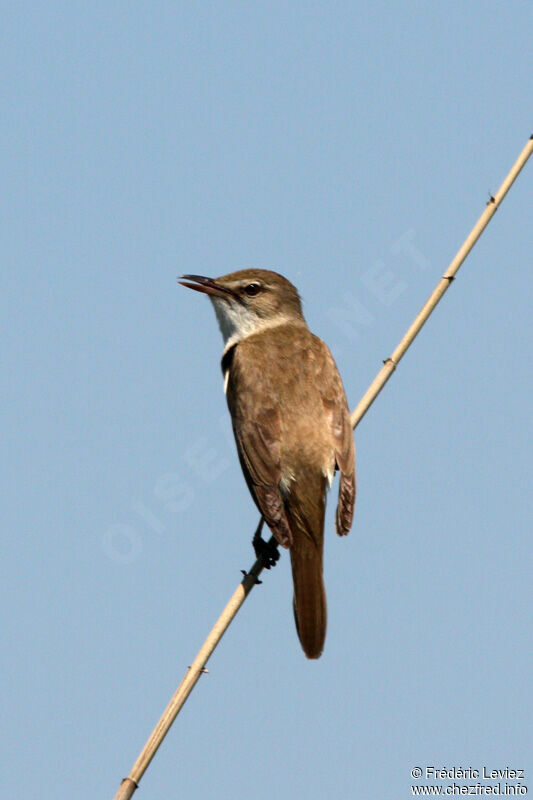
{"x":306,"y":520}
{"x":309,"y":602}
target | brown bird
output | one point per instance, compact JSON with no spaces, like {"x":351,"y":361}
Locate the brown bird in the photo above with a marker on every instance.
{"x":291,"y":424}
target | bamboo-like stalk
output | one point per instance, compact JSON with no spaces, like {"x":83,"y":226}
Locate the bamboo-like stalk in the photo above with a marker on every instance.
{"x":130,"y":784}
{"x":390,"y":364}
{"x":188,"y":683}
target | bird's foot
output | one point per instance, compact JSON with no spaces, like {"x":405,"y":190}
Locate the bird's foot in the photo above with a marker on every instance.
{"x":268,"y":551}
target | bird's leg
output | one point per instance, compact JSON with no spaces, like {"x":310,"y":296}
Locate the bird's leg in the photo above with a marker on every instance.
{"x":268,"y":551}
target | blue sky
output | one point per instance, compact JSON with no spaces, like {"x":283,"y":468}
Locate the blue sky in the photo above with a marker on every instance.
{"x":338,"y":144}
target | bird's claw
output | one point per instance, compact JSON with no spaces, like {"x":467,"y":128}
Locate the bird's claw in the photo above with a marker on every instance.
{"x":267,"y":551}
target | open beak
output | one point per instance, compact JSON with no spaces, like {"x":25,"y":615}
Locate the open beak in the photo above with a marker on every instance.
{"x":205,"y":285}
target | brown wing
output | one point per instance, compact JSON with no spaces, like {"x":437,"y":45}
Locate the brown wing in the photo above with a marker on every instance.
{"x":338,"y":414}
{"x":257,"y":426}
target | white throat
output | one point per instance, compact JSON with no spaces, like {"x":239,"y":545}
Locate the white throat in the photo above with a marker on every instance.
{"x":237,"y":322}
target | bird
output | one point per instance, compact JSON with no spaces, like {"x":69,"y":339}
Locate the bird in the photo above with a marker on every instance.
{"x":291,"y":423}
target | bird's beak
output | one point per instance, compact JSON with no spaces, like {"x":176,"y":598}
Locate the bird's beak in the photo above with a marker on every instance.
{"x":205,"y":285}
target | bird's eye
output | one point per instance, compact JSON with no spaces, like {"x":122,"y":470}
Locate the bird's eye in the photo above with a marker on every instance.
{"x":253,"y":289}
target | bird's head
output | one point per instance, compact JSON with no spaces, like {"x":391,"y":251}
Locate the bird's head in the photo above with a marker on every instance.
{"x":248,"y":301}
